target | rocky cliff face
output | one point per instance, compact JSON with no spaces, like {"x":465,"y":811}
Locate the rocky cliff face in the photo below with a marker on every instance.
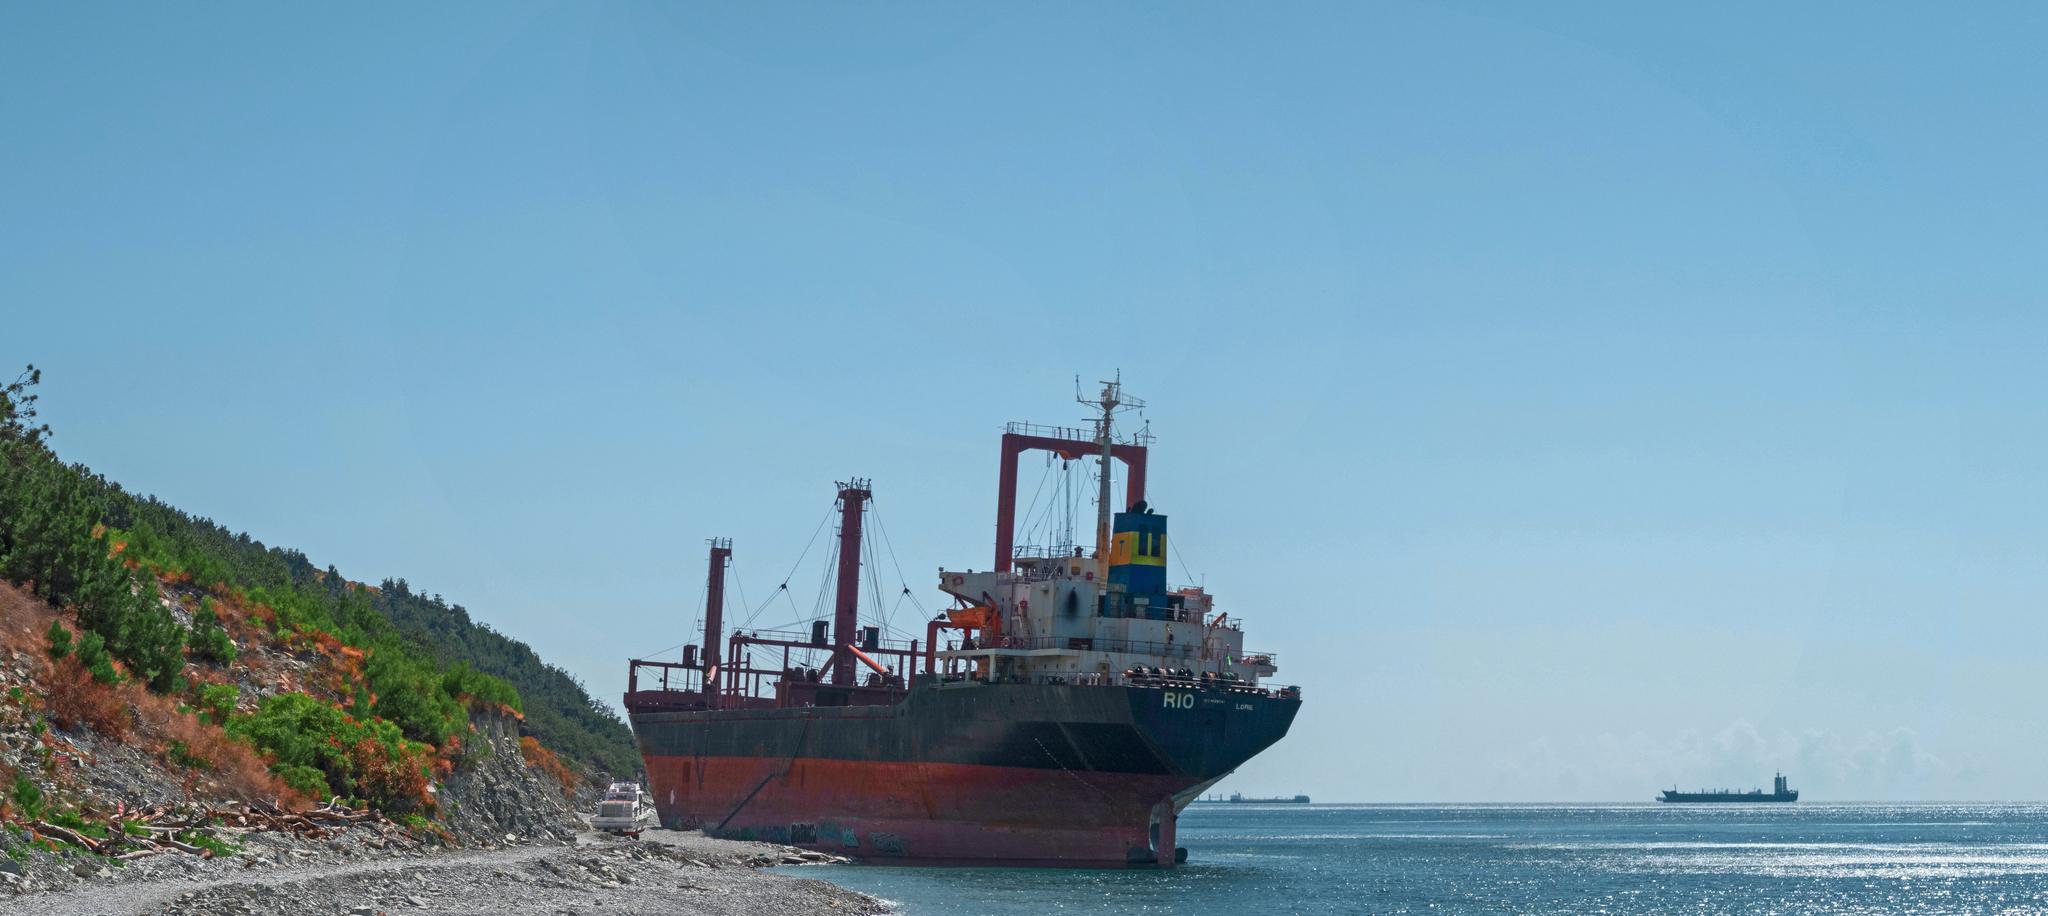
{"x":494,"y":796}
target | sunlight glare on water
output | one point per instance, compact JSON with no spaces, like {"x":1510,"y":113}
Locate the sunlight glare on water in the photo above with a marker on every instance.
{"x":1801,"y":858}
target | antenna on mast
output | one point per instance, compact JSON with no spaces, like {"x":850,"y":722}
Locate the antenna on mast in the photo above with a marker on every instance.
{"x":1112,"y":400}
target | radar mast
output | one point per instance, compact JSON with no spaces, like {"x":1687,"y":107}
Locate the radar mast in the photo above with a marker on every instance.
{"x":1111,"y":400}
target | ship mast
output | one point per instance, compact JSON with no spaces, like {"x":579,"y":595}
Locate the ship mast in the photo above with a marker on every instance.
{"x":1113,"y":397}
{"x":853,"y":499}
{"x":714,"y":614}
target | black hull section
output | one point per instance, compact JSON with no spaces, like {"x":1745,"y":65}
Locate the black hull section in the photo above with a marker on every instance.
{"x":1194,"y":734}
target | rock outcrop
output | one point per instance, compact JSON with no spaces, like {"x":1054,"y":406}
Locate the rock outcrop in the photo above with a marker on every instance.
{"x":494,"y":796}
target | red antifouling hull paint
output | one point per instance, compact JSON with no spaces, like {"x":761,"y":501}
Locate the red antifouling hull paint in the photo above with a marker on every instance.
{"x":945,"y":811}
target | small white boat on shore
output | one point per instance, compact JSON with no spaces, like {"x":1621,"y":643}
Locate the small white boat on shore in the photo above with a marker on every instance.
{"x":625,"y":810}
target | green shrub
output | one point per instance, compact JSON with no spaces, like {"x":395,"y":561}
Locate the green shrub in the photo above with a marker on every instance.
{"x":92,"y":653}
{"x":208,"y":639}
{"x":217,"y":702}
{"x":60,"y":639}
{"x":181,"y":754}
{"x":468,"y":686}
{"x":28,"y":797}
{"x":303,"y":778}
{"x":221,"y":848}
{"x":349,"y":756}
{"x":409,"y":694}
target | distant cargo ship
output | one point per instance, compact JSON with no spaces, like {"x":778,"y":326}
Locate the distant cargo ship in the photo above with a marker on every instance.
{"x":1778,"y":794}
{"x":1238,"y":799}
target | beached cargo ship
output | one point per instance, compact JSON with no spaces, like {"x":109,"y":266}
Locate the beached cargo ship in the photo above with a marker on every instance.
{"x":1061,"y":713}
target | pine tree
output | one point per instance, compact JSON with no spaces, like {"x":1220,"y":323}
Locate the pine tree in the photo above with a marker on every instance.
{"x":60,"y":639}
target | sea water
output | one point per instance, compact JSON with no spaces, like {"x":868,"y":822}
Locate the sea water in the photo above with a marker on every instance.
{"x":1795,"y":858}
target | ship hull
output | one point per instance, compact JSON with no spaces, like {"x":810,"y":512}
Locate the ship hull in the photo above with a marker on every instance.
{"x":1701,"y":798}
{"x":963,"y":773}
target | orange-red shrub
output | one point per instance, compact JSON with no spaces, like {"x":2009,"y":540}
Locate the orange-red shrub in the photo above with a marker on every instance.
{"x":24,"y":619}
{"x":241,"y":772}
{"x":75,"y":697}
{"x":396,"y":781}
{"x":537,"y":756}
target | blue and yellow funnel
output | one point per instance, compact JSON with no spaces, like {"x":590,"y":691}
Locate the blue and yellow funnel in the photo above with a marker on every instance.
{"x":1137,"y":552}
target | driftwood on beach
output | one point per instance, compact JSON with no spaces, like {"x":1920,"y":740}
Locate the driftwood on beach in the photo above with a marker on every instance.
{"x":153,"y":830}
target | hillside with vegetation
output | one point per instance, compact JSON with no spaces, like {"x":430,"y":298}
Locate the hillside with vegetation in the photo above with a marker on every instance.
{"x":248,"y":660}
{"x":559,"y":710}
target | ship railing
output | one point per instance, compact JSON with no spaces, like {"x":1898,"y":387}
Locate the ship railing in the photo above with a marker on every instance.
{"x":1205,"y":683}
{"x":1026,"y":574}
{"x":1050,"y":432}
{"x":804,"y":636}
{"x":672,"y":676}
{"x":1035,"y":552}
{"x":1020,"y":574}
{"x":1049,"y":570}
{"x":1161,"y":650}
{"x":1036,"y":572}
{"x":1164,"y":650}
{"x":1093,"y":679}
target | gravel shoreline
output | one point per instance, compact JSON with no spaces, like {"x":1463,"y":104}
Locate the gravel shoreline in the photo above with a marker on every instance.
{"x":664,"y":872}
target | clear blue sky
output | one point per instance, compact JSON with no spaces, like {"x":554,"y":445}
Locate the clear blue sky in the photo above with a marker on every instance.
{"x":1578,"y":398}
